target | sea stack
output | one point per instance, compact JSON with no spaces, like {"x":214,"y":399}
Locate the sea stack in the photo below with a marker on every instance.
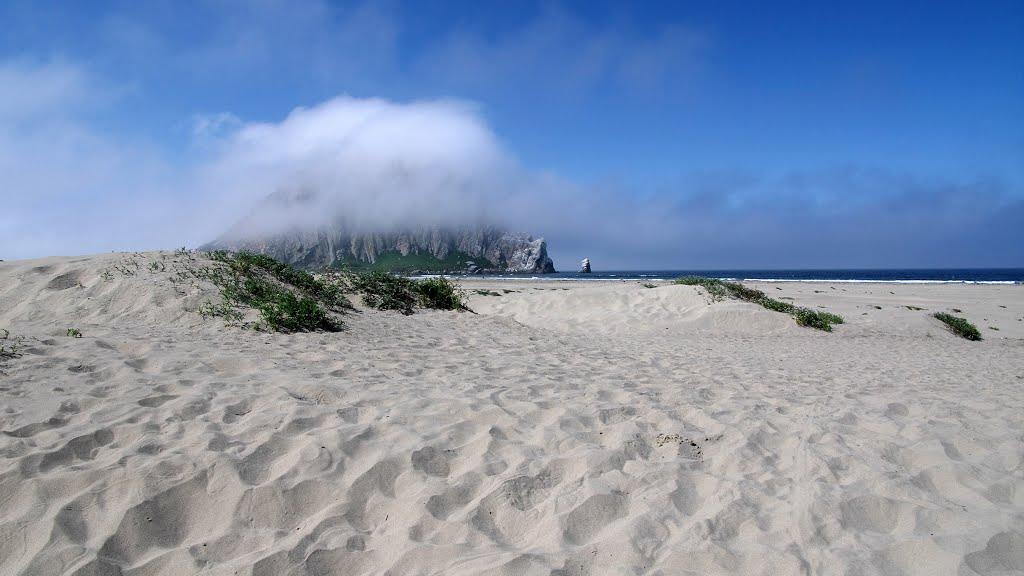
{"x":585,"y":266}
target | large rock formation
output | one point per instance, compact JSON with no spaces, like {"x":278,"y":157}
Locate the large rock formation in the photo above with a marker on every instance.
{"x":420,"y":248}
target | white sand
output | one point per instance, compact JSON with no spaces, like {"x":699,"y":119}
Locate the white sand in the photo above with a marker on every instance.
{"x":603,"y":429}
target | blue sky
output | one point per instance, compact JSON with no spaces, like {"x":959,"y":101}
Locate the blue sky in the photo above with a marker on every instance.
{"x":748,"y":134}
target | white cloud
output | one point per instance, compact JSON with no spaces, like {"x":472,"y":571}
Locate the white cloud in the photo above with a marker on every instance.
{"x":376,"y":163}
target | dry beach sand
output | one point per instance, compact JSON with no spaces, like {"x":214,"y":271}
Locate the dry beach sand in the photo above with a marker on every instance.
{"x":567,"y":428}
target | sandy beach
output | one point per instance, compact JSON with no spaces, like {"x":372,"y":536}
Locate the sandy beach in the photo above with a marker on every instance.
{"x":564,"y":428}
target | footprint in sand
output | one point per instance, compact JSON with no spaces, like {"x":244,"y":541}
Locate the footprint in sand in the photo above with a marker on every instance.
{"x":29,"y":430}
{"x":431,"y":461}
{"x":590,"y":517}
{"x":77,"y":449}
{"x":154,"y":401}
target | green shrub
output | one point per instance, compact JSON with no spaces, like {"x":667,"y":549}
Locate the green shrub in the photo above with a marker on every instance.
{"x":777,"y":306}
{"x":287,"y":299}
{"x":287,"y":312}
{"x":386,"y":291}
{"x":720,"y":289}
{"x":440,"y":294}
{"x":714,"y":287}
{"x":831,"y":318}
{"x":815,"y":319}
{"x":74,"y":333}
{"x":8,"y":352}
{"x":292,"y":300}
{"x":959,"y":326}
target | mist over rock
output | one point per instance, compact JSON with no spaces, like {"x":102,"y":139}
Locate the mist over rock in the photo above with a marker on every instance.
{"x":291,"y":228}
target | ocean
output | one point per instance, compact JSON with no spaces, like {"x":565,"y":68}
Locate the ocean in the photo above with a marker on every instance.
{"x":899,"y":275}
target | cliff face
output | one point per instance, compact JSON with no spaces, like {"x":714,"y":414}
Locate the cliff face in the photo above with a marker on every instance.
{"x":465,"y":249}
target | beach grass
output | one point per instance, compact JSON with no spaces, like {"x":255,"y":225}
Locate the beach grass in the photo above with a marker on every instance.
{"x":386,"y":291}
{"x":720,"y":289}
{"x":293,"y":300}
{"x":8,"y":351}
{"x":288,"y":300}
{"x":959,"y":326}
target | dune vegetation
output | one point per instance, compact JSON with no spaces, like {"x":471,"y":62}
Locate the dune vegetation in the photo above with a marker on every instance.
{"x":293,"y":300}
{"x":959,"y":326}
{"x":720,"y":290}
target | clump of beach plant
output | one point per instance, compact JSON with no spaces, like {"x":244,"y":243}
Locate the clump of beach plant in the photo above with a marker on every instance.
{"x":293,"y":300}
{"x":440,"y":294}
{"x":487,"y":292}
{"x":74,"y":333}
{"x":221,"y":310}
{"x":386,"y":291}
{"x":719,"y":290}
{"x":815,"y":319}
{"x":959,"y":326}
{"x":8,"y":351}
{"x":287,"y":299}
{"x":714,"y":287}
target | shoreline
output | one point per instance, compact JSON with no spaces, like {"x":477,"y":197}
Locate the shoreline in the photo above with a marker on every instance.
{"x":652,"y":278}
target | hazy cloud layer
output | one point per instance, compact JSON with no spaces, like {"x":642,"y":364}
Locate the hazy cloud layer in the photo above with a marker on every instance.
{"x":375,"y":164}
{"x":69,"y":187}
{"x":564,"y":54}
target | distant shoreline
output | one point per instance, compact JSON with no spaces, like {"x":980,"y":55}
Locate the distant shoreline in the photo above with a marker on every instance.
{"x":1006,"y":276}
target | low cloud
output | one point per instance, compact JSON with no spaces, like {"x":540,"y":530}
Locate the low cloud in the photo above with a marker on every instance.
{"x":372,"y":164}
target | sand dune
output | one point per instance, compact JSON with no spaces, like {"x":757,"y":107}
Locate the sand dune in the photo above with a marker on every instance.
{"x":605,"y":428}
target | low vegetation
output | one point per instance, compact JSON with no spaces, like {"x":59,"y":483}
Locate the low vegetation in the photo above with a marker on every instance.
{"x":74,"y":333}
{"x":292,"y":300}
{"x":287,"y":299}
{"x":720,"y":290}
{"x":386,"y":291}
{"x":959,"y":326}
{"x":8,"y":346}
{"x":440,"y":294}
